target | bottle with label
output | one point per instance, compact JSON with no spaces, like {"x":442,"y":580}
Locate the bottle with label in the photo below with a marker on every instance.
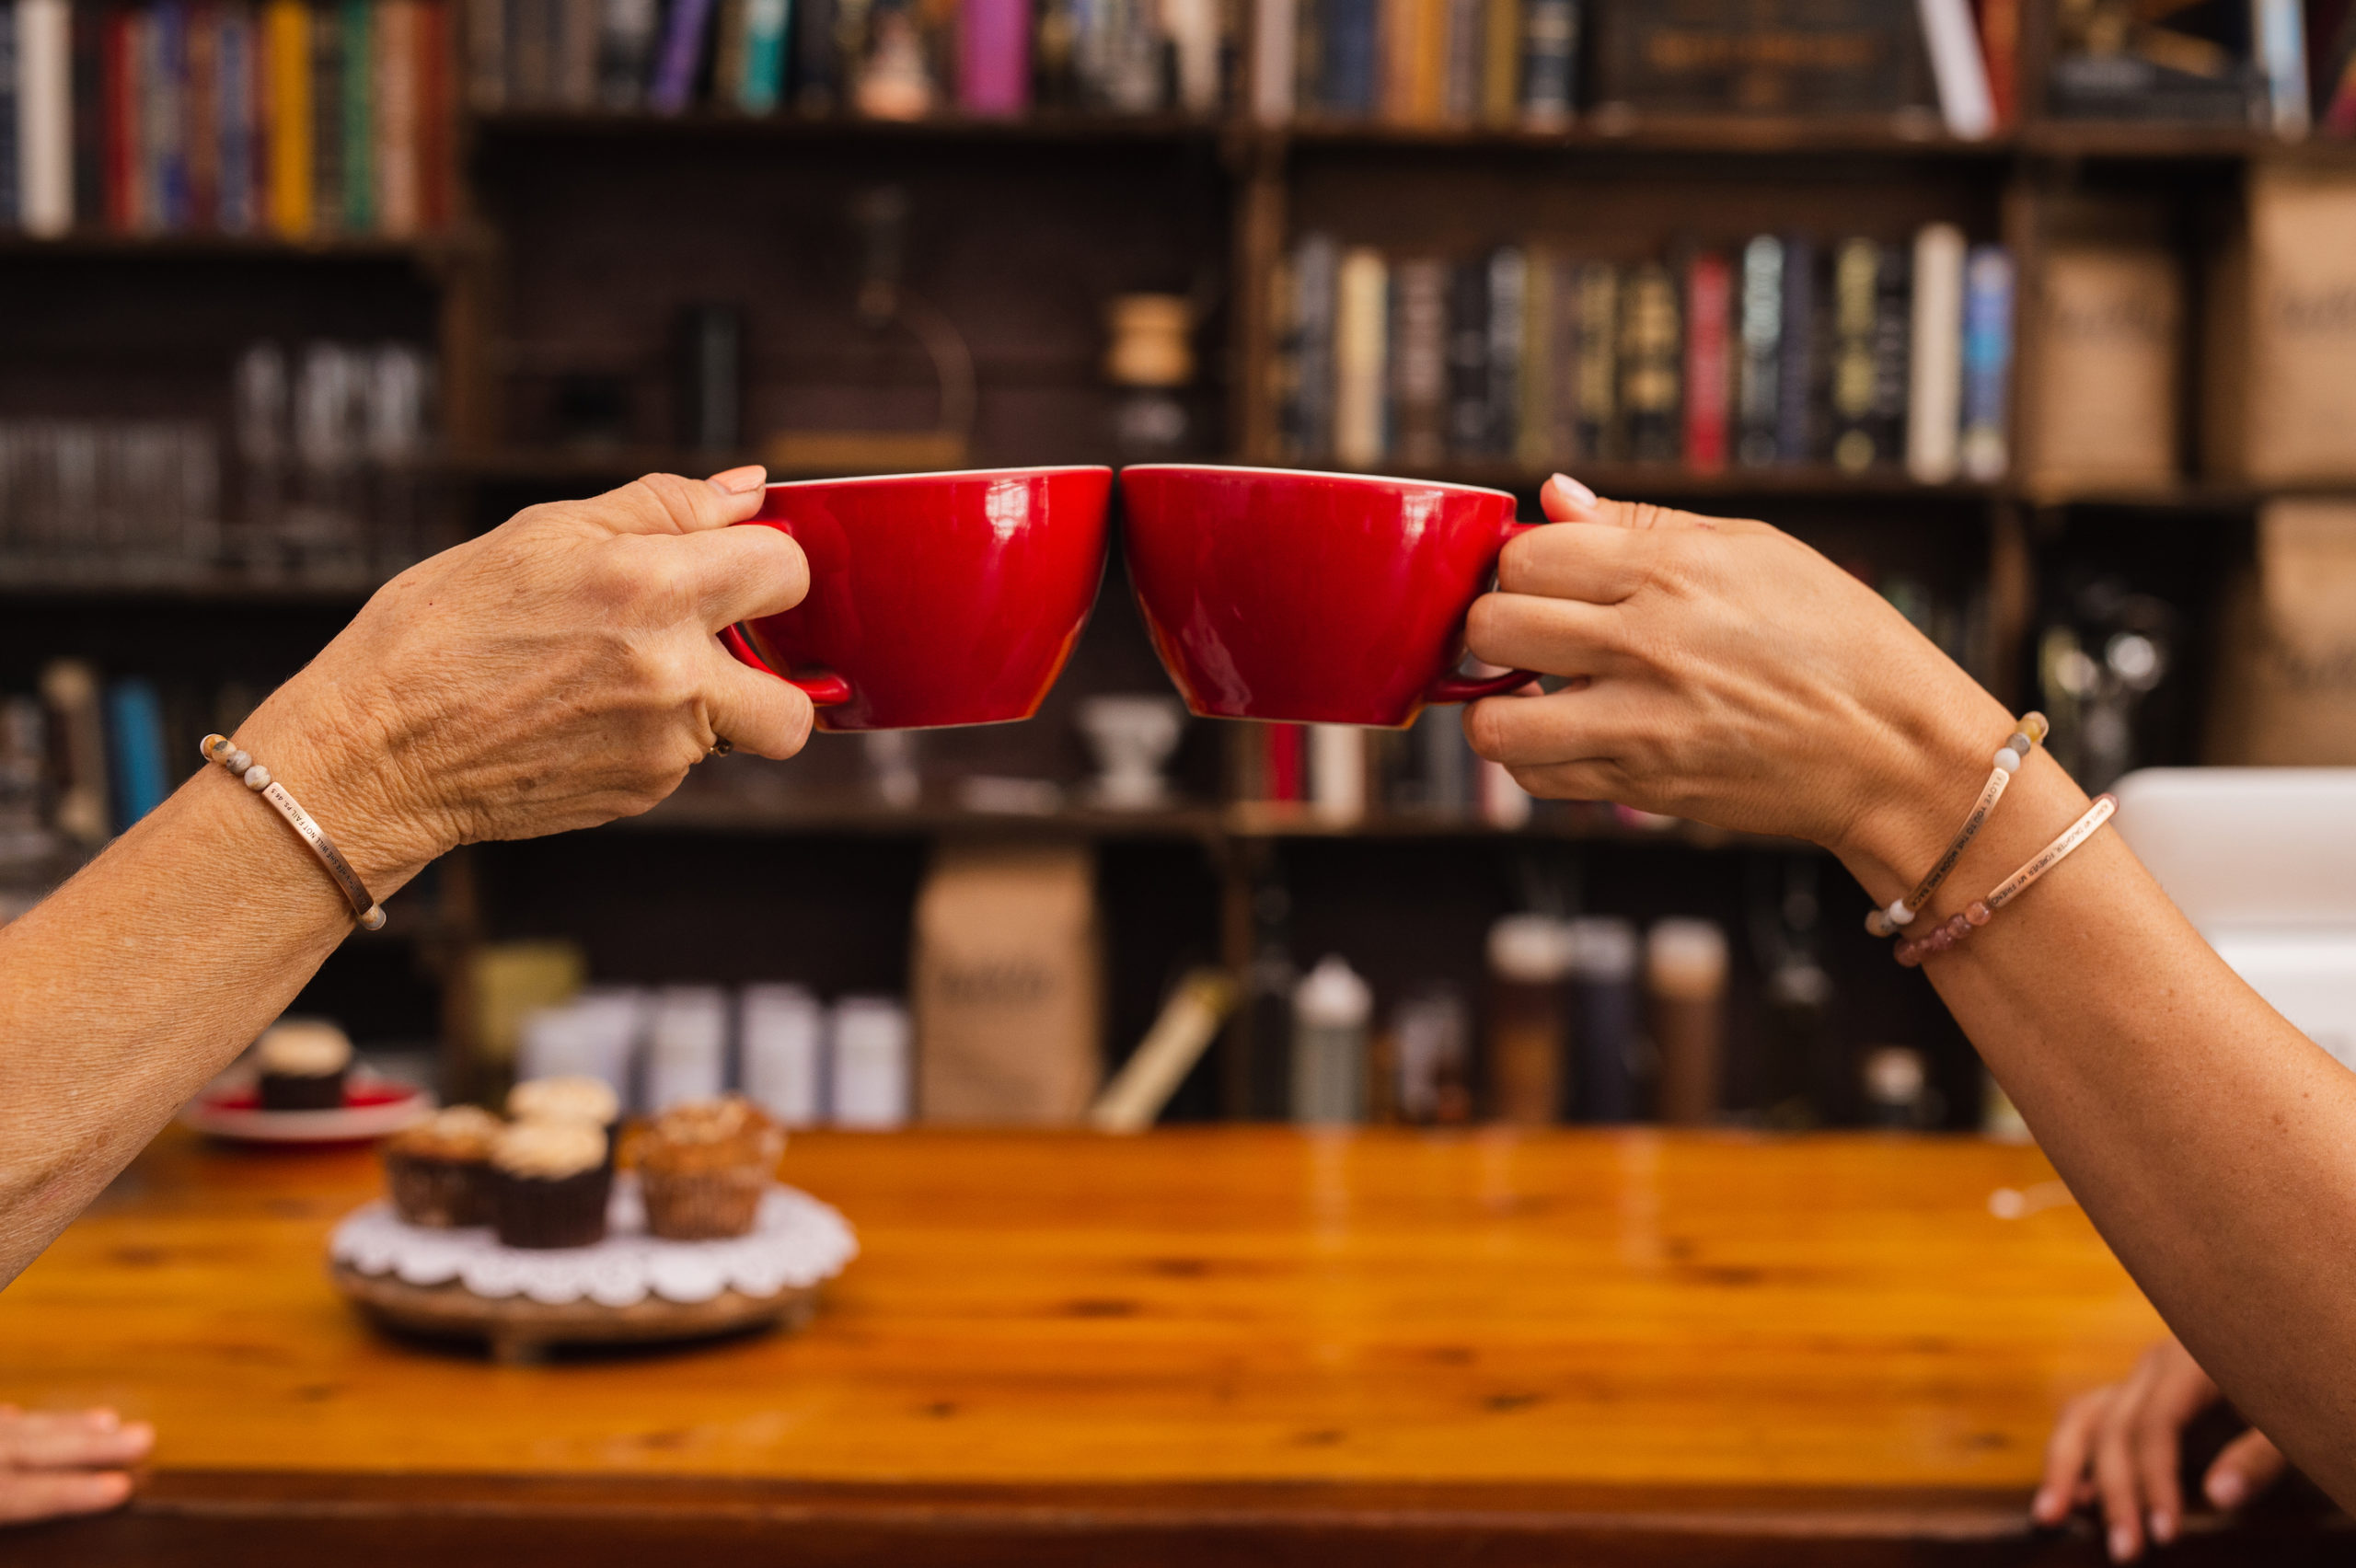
{"x":1330,"y":1009}
{"x":1685,"y":985}
{"x":1606,"y":1017}
{"x":1529,"y":1028}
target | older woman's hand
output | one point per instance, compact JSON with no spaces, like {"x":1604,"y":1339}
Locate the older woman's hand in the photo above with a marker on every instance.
{"x":558,"y":671}
{"x":1721,"y":670}
{"x":55,"y":1463}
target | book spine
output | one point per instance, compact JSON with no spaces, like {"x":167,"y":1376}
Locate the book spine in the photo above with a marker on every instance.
{"x":83,"y":111}
{"x":1427,"y":61}
{"x":1999,"y":49}
{"x":1283,"y":361}
{"x":1190,"y":32}
{"x":1360,"y":352}
{"x":1957,"y":66}
{"x":486,"y":22}
{"x":235,"y":97}
{"x":1650,"y":353}
{"x":994,"y":56}
{"x":1795,"y":364}
{"x":817,"y":65}
{"x":578,"y":26}
{"x":11,"y":172}
{"x":1284,"y":771}
{"x":358,"y":134}
{"x":1550,"y":41}
{"x":1354,"y":56}
{"x":326,"y":117}
{"x":2282,"y":50}
{"x":1308,"y":55}
{"x":727,"y":49}
{"x":399,"y":194}
{"x":201,"y":96}
{"x":1601,"y":429}
{"x":1566,"y":368}
{"x":1856,"y":275}
{"x":287,"y":28}
{"x":136,"y":737}
{"x":1500,"y":61}
{"x":121,"y":139}
{"x":1337,"y":770}
{"x":1987,"y":361}
{"x":1396,"y":34}
{"x":765,"y":28}
{"x":1418,"y":377}
{"x":1317,"y":282}
{"x":530,"y":68}
{"x":1464,"y":61}
{"x":1276,"y":27}
{"x":1708,"y":303}
{"x":625,"y":38}
{"x":1758,"y":378}
{"x":683,"y":50}
{"x":1934,"y":379}
{"x":1509,"y":322}
{"x":1468,"y":359}
{"x":436,"y":118}
{"x":45,"y":115}
{"x":2340,"y":118}
{"x":167,"y":115}
{"x":1893,"y":287}
{"x":1534,"y":419}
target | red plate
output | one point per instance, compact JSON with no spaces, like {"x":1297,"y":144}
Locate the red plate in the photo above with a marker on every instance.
{"x":373,"y":1107}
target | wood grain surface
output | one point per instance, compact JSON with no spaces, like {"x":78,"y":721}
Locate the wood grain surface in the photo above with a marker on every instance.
{"x":1475,"y":1325}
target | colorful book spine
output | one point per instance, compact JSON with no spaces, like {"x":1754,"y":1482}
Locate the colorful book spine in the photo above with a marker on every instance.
{"x":286,"y":126}
{"x":81,"y":113}
{"x":1316,"y":281}
{"x":1597,"y":413}
{"x":1353,"y":56}
{"x":1462,"y":60}
{"x":2281,"y":54}
{"x":682,"y":55}
{"x":1568,"y":371}
{"x":1550,"y":41}
{"x":10,"y":174}
{"x":765,"y":23}
{"x":327,"y":51}
{"x":1795,"y":364}
{"x":1500,"y":61}
{"x":2000,"y":47}
{"x":397,"y":182}
{"x":1276,"y":27}
{"x":486,"y":25}
{"x":237,"y":205}
{"x":1418,"y":425}
{"x":624,"y":45}
{"x":44,"y":119}
{"x":1651,"y":364}
{"x":119,"y":143}
{"x":1759,"y":377}
{"x":134,"y":722}
{"x":1856,"y":275}
{"x":359,"y":25}
{"x":1360,"y":350}
{"x":203,"y":95}
{"x":1709,"y":303}
{"x":1987,"y":361}
{"x":1283,"y":770}
{"x":437,"y":118}
{"x":1935,"y":376}
{"x":994,"y":57}
{"x":1893,"y":288}
{"x":165,"y":116}
{"x":1952,"y":39}
{"x":1534,"y":419}
{"x":1468,"y":359}
{"x":1508,"y":290}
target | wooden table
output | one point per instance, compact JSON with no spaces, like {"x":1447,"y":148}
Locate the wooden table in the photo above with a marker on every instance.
{"x":1238,"y":1344}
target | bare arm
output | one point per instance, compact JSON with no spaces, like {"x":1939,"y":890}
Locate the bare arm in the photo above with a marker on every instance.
{"x":556,"y":672}
{"x":1734,"y":676}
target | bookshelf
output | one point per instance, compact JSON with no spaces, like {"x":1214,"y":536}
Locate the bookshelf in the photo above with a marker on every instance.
{"x":575,"y":235}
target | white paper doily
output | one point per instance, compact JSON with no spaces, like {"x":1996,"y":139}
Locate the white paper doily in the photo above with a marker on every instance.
{"x":795,"y":1241}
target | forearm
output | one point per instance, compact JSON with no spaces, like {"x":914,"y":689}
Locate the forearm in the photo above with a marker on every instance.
{"x":2206,"y":1138}
{"x":139,"y":979}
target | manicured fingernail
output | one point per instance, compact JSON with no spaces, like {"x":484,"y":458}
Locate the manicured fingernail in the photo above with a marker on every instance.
{"x":2122,"y":1543}
{"x":1577,"y":490}
{"x":738,"y":481}
{"x":2227,"y":1489}
{"x":2163,"y":1526}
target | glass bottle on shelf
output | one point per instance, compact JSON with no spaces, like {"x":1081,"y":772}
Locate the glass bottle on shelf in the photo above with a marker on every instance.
{"x":1330,"y":1012}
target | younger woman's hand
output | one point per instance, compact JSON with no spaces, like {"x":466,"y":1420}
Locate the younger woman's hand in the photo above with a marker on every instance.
{"x":2119,"y":1448}
{"x":56,"y":1463}
{"x":1721,"y":671}
{"x":559,"y":672}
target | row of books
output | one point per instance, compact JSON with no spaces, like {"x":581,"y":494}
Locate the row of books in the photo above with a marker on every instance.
{"x":885,"y":59}
{"x":284,"y":117}
{"x":1861,"y":354}
{"x":83,"y":760}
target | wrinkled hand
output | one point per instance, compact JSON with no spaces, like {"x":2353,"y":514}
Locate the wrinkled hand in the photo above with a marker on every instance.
{"x":2119,"y":1448}
{"x":1721,"y":670}
{"x":53,"y":1463}
{"x":559,"y":672}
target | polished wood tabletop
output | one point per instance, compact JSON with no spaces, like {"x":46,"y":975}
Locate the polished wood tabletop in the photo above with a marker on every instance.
{"x":1467,"y":1316}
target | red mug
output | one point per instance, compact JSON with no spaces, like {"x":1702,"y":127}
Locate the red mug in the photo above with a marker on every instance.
{"x":1317,"y":598}
{"x":934,"y":599}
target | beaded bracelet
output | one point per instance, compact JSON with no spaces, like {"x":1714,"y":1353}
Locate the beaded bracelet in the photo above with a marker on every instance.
{"x":2008,"y":759}
{"x":1942,"y":937}
{"x":255,"y":777}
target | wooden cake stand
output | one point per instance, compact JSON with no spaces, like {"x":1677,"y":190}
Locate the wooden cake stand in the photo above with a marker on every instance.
{"x":521,"y":1331}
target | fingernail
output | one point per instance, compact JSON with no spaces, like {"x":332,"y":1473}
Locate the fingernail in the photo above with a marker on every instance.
{"x":738,"y":481}
{"x":2163,"y":1526}
{"x":103,"y":1419}
{"x":1577,"y":491}
{"x":2040,"y":1507}
{"x":2227,"y":1488}
{"x":2122,"y":1543}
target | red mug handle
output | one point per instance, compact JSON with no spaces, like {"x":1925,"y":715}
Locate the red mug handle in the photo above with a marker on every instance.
{"x":824,"y":691}
{"x":1453,"y":687}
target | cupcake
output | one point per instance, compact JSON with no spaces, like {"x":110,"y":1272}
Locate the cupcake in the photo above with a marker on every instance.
{"x":303,"y":1061}
{"x":574,"y":1098}
{"x":703,"y":1167}
{"x":549,"y":1181}
{"x":439,"y":1170}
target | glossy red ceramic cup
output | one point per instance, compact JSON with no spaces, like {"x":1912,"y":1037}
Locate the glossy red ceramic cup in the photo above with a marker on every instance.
{"x":934,"y":599}
{"x":1320,"y":598}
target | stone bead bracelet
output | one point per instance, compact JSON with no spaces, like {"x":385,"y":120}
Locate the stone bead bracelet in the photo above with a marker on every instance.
{"x":255,"y":777}
{"x":2008,"y":759}
{"x":1940,"y":938}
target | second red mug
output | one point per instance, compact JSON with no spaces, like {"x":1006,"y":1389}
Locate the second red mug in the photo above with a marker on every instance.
{"x":1320,"y":598}
{"x":935,"y":599}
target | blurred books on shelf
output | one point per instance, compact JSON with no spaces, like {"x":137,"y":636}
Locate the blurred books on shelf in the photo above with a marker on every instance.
{"x":1779,"y":353}
{"x":2208,"y":62}
{"x":284,"y":119}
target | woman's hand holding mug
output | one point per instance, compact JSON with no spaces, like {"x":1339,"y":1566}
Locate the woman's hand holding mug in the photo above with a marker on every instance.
{"x":560,"y":671}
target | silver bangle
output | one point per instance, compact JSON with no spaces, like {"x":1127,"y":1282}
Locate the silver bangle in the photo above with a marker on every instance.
{"x":255,"y":777}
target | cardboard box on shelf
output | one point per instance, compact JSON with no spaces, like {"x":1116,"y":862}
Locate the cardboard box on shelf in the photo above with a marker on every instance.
{"x":1007,"y":985}
{"x":2280,"y":383}
{"x":2104,"y":363}
{"x":2286,"y":685}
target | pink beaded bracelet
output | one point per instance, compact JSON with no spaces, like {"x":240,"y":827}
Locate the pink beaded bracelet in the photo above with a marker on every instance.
{"x":1957,"y":927}
{"x":2008,"y":759}
{"x":255,"y":777}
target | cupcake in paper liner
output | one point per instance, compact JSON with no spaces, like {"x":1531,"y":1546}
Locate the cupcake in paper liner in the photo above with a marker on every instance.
{"x":549,"y":1185}
{"x":703,"y":1166}
{"x":573,"y":1097}
{"x":439,"y":1170}
{"x":302,"y":1063}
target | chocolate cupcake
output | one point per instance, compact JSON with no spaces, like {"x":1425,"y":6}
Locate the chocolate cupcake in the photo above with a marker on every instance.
{"x":302,"y":1063}
{"x":572,"y":1098}
{"x":549,"y":1181}
{"x":703,"y":1167}
{"x":439,"y":1170}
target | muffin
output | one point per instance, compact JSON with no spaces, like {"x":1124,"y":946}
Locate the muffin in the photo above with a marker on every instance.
{"x":703,"y":1167}
{"x":302,"y":1063}
{"x":572,"y":1098}
{"x":439,"y":1170}
{"x":549,"y":1181}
